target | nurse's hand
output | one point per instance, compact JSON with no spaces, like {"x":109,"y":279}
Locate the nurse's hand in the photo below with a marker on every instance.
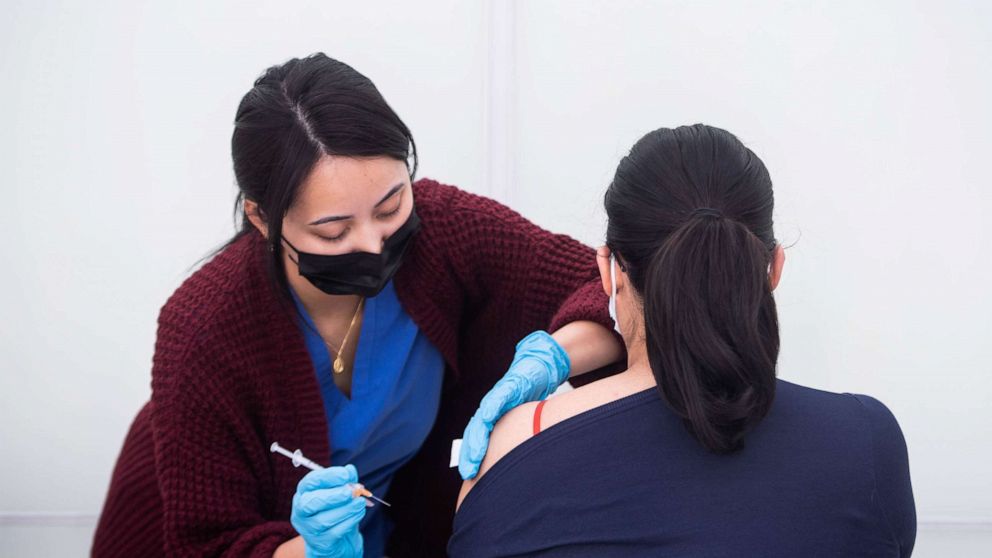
{"x":326,"y":514}
{"x":538,"y":368}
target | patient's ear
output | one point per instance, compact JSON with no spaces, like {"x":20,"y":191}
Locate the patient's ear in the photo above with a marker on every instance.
{"x":775,"y":269}
{"x":603,"y":262}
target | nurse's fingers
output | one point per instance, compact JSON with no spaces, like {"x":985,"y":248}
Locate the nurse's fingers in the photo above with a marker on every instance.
{"x":337,"y":523}
{"x":331,"y":477}
{"x":499,"y":400}
{"x":355,"y":541}
{"x":315,"y":501}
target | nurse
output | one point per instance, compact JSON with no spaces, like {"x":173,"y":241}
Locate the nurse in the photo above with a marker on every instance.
{"x":358,"y":315}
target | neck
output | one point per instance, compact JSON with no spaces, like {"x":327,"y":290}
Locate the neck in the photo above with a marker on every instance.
{"x":637,"y":357}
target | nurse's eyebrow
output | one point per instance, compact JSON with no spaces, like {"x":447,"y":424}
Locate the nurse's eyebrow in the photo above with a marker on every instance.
{"x":391,"y":193}
{"x":332,"y":218}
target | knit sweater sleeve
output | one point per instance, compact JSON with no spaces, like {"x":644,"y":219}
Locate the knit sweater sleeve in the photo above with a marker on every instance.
{"x":210,"y":470}
{"x":553,"y":277}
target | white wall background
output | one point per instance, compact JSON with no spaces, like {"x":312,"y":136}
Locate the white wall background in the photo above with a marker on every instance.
{"x":873,"y":118}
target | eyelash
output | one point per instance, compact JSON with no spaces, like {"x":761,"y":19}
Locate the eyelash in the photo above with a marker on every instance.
{"x":383,"y":217}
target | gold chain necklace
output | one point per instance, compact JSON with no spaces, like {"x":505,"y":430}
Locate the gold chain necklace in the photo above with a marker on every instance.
{"x":338,"y":363}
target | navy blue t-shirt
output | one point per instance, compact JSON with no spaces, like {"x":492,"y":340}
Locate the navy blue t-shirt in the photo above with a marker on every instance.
{"x":823,"y":474}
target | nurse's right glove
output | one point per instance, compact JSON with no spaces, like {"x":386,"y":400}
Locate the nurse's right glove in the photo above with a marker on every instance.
{"x":326,"y":514}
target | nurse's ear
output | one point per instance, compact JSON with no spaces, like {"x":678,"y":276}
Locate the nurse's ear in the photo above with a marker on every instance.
{"x":254,"y":214}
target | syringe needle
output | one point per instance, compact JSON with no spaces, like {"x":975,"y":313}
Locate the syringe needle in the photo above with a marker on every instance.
{"x":380,"y":500}
{"x":299,"y":459}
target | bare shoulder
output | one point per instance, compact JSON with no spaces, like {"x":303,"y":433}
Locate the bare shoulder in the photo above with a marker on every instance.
{"x":517,"y":425}
{"x":513,"y":429}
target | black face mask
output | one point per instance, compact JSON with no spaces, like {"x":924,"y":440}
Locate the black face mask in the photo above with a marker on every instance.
{"x":358,"y":273}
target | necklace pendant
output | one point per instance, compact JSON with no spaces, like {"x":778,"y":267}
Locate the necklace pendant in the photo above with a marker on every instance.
{"x":338,"y":365}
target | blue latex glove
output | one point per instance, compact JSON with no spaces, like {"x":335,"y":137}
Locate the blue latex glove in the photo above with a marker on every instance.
{"x":538,"y":368}
{"x":326,"y":514}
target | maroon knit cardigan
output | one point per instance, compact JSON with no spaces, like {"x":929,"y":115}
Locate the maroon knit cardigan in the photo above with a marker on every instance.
{"x":231,"y":374}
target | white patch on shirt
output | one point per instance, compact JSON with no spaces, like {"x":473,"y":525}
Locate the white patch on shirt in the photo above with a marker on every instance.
{"x":456,"y":450}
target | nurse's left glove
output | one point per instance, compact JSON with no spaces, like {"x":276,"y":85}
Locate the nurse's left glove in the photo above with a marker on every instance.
{"x":538,"y":368}
{"x":326,"y":513}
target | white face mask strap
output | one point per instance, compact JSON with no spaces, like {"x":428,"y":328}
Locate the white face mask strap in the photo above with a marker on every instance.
{"x":613,"y":277}
{"x":613,"y":296}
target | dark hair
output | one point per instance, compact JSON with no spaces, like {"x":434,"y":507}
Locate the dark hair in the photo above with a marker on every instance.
{"x":296,"y":113}
{"x":690,"y":221}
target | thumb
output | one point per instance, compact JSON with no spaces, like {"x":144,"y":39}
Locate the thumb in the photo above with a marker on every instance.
{"x":475,"y":442}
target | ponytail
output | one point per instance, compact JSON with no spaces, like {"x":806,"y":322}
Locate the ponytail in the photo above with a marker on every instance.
{"x":711,"y":328}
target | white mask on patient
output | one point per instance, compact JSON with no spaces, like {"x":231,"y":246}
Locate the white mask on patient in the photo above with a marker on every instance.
{"x":613,"y":297}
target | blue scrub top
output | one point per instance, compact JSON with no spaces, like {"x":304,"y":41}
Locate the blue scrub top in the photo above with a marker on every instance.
{"x":395,"y":393}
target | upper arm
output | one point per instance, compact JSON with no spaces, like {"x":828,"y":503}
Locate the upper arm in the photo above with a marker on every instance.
{"x":510,"y":431}
{"x":891,"y":471}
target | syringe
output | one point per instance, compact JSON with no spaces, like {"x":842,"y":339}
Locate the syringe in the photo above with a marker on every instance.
{"x":299,"y":459}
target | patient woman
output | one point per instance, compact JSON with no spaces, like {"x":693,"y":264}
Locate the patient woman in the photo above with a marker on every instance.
{"x":696,"y":449}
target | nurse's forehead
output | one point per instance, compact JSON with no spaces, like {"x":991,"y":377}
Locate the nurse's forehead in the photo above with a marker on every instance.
{"x":346,"y":184}
{"x":354,"y":176}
